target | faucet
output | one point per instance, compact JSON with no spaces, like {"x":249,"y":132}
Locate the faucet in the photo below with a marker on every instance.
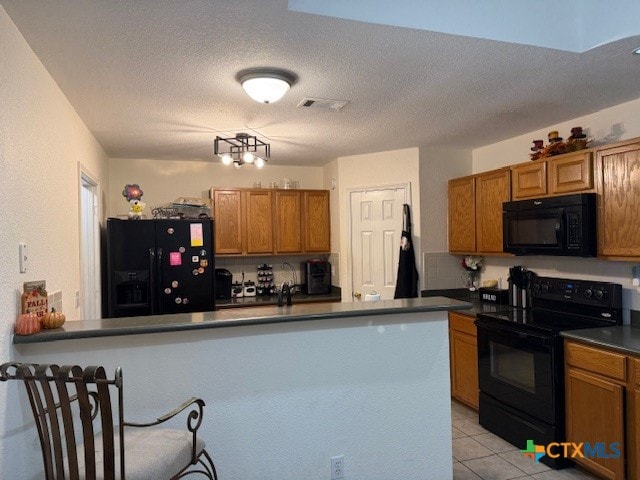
{"x":294,"y":280}
{"x":284,"y":289}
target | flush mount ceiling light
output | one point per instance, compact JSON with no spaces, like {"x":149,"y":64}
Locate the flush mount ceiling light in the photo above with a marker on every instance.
{"x":266,"y":85}
{"x":242,"y":149}
{"x":636,"y":51}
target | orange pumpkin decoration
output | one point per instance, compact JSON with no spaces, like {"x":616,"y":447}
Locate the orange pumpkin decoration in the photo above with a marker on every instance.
{"x":52,"y":319}
{"x":27,"y":324}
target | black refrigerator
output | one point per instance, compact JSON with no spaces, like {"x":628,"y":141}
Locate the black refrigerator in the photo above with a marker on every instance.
{"x":155,"y":267}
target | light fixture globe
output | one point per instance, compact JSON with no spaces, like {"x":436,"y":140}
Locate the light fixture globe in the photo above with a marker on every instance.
{"x":266,"y":85}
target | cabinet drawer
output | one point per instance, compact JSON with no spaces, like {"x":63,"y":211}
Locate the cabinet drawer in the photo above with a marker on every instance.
{"x":635,"y":365}
{"x":462,"y":323}
{"x":612,"y":365}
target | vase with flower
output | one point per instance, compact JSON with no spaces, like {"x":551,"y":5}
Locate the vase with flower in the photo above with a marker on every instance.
{"x":472,"y":266}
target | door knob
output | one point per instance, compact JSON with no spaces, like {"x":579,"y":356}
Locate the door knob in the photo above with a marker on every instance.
{"x":357,"y":295}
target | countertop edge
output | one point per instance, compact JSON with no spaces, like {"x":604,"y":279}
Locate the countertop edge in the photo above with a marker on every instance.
{"x":592,"y":336}
{"x":282,"y":316}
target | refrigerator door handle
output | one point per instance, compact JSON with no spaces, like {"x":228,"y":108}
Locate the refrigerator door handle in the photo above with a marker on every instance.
{"x":152,"y":281}
{"x":158,"y":283}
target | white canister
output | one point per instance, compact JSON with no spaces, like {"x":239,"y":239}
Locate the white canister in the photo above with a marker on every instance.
{"x":372,"y":297}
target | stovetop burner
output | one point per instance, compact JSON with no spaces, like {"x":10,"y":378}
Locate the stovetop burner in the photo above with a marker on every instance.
{"x":563,"y":304}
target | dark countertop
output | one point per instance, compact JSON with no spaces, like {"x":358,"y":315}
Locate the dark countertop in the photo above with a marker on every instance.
{"x":334,"y":296}
{"x":625,"y":338}
{"x":465,"y":295}
{"x":238,"y":317}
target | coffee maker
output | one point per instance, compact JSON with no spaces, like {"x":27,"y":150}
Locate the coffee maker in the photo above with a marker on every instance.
{"x":519,"y":292}
{"x":223,"y":284}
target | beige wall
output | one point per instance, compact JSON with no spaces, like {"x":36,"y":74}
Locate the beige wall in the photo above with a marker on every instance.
{"x":162,"y":181}
{"x":41,"y":143}
{"x":374,"y":169}
{"x":616,"y":123}
{"x":42,"y":139}
{"x":620,"y":122}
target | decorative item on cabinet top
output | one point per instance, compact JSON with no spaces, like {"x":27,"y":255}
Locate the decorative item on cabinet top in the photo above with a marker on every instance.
{"x":577,"y":141}
{"x":184,"y":207}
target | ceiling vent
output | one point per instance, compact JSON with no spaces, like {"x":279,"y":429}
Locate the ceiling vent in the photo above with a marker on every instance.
{"x":322,"y":103}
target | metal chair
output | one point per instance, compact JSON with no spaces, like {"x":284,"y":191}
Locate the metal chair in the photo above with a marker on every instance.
{"x":68,"y":402}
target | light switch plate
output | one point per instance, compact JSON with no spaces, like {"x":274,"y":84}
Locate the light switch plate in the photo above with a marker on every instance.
{"x":22,"y":251}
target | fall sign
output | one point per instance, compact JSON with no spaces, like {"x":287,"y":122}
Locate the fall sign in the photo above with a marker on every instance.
{"x":34,"y":298}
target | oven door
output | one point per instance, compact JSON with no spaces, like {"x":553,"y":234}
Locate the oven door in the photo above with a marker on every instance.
{"x":519,"y":369}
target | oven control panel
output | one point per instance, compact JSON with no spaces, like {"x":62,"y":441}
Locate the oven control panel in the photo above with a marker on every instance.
{"x":586,"y":292}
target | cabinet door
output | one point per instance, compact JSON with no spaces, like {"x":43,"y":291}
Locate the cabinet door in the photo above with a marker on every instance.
{"x":259,"y":221}
{"x":317,"y":233}
{"x":464,"y":359}
{"x":288,"y":221}
{"x":529,"y":180}
{"x":462,"y":215}
{"x":595,"y":414}
{"x":227,"y":212}
{"x":571,"y":173}
{"x":618,"y":185}
{"x":492,"y":189}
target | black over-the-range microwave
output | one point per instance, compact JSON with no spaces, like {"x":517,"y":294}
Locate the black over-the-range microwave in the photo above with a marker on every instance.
{"x":564,"y":225}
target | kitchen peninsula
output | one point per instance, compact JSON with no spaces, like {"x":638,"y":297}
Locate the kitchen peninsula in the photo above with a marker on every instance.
{"x":307,"y":382}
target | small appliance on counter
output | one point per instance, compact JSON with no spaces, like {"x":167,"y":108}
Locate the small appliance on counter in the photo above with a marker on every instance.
{"x":519,"y":282}
{"x":223,"y":284}
{"x":317,"y":276}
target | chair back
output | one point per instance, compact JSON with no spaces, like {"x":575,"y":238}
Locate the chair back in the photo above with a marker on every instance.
{"x":70,"y":406}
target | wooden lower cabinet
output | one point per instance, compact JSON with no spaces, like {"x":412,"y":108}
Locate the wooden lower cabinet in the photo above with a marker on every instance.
{"x":463,"y":351}
{"x":598,"y":386}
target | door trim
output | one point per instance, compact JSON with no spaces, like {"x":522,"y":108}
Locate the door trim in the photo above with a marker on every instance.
{"x":86,"y":176}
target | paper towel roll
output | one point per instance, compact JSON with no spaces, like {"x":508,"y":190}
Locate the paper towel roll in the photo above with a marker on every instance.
{"x":372,"y":297}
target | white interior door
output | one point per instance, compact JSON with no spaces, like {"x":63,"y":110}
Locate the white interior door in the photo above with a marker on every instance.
{"x":376,"y":228}
{"x":89,"y":247}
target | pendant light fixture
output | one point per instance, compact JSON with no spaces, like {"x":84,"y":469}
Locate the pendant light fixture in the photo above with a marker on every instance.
{"x":242,"y":149}
{"x":266,"y":85}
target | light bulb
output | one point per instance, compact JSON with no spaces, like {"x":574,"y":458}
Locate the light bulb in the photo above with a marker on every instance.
{"x":248,"y":157}
{"x":259,"y":163}
{"x":226,"y":159}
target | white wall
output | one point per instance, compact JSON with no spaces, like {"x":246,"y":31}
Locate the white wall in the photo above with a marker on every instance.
{"x":374,"y":169}
{"x":620,"y":122}
{"x":162,"y":181}
{"x":281,"y":398}
{"x":42,"y":139}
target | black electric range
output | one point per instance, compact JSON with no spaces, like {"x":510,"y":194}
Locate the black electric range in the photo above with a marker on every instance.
{"x":521,"y":357}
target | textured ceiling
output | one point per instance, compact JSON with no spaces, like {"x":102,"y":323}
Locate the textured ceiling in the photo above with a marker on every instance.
{"x":156,"y":78}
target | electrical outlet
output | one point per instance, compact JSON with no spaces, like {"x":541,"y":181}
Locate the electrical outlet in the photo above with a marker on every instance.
{"x":337,"y":467}
{"x":77,"y":299}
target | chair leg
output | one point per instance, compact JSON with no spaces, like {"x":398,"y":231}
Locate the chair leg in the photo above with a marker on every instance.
{"x":204,"y":467}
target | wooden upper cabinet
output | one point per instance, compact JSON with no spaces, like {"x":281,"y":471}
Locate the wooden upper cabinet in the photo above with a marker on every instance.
{"x":572,"y":172}
{"x":462,"y":215}
{"x":618,"y":187}
{"x":529,"y":180}
{"x":227,"y":212}
{"x":259,"y":221}
{"x":492,"y":190}
{"x":288,"y":221}
{"x":317,"y":234}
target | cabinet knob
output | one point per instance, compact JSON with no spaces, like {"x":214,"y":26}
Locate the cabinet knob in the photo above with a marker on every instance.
{"x":357,"y":295}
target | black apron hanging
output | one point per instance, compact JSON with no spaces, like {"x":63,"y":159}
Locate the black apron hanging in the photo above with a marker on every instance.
{"x":407,"y":281}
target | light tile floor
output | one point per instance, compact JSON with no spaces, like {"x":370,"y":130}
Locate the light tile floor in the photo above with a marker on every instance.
{"x":479,"y":454}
